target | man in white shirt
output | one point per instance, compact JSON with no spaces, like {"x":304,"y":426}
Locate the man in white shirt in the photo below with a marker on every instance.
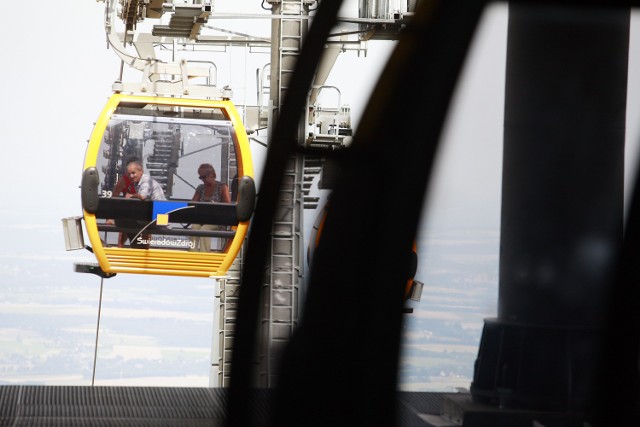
{"x":146,"y":187}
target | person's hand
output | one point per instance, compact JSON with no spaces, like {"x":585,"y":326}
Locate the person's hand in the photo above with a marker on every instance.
{"x":110,"y":222}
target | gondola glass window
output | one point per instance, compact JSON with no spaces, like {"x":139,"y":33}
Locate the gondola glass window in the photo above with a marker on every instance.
{"x":169,"y":139}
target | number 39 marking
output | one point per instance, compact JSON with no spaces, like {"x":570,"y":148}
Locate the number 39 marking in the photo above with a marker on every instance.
{"x":106,"y":193}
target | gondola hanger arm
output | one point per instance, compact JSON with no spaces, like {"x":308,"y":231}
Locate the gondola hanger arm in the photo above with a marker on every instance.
{"x":159,"y":77}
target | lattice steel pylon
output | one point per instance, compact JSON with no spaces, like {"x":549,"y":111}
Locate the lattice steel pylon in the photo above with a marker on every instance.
{"x":283,"y":276}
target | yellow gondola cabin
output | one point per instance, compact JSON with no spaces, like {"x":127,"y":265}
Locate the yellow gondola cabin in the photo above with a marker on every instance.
{"x":170,"y":138}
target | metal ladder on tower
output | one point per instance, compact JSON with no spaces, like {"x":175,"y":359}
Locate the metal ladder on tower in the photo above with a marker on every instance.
{"x":281,"y":288}
{"x":293,"y":23}
{"x":228,"y":295}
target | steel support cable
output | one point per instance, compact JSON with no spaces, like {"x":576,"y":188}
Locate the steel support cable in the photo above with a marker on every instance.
{"x":95,"y":350}
{"x":282,"y":145}
{"x":340,"y":367}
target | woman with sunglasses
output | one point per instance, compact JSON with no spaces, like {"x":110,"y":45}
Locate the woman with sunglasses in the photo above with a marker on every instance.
{"x":209,"y":191}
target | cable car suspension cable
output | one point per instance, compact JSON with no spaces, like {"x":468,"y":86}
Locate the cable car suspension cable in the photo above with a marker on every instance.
{"x":95,"y":351}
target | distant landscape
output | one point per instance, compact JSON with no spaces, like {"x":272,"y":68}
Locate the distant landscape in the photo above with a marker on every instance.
{"x":158,"y":330}
{"x":441,"y":337}
{"x":148,"y":332}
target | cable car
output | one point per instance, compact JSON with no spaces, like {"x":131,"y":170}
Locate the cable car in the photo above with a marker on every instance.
{"x":167,"y":186}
